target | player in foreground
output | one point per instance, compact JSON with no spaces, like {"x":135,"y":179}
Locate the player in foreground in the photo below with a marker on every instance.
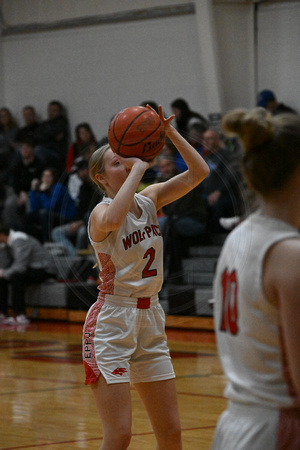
{"x":257,"y":292}
{"x":124,"y":337}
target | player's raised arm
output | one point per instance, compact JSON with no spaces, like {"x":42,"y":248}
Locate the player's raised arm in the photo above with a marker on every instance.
{"x":180,"y":185}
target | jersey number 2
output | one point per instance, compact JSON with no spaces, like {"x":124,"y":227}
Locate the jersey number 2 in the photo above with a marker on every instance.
{"x":147,"y":272}
{"x":229,"y":321}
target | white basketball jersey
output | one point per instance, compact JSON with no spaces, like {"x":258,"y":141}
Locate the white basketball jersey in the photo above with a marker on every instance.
{"x":247,"y":326}
{"x":131,"y":258}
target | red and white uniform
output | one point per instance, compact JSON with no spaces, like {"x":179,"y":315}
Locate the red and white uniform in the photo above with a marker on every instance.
{"x":131,"y":258}
{"x":126,"y":324}
{"x":250,"y":344}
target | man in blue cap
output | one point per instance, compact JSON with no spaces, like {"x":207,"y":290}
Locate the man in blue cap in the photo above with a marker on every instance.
{"x":267,"y":99}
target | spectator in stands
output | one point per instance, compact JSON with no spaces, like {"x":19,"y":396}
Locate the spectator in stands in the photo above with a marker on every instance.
{"x":221,"y":187}
{"x":31,"y":123}
{"x":185,"y":117}
{"x":74,"y":182}
{"x":52,"y":137}
{"x":74,"y":235}
{"x":151,"y":103}
{"x":31,"y":263}
{"x":166,"y":167}
{"x":24,"y":171}
{"x":3,"y":195}
{"x":50,"y":205}
{"x":8,"y":132}
{"x":247,"y":198}
{"x":169,"y":149}
{"x":267,"y":99}
{"x":195,"y":136}
{"x":181,"y":220}
{"x":85,"y":137}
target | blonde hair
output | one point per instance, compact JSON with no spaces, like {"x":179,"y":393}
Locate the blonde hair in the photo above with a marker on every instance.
{"x":271,"y":146}
{"x":96,"y":164}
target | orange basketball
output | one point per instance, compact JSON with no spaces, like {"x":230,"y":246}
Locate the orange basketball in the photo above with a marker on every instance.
{"x":137,"y":131}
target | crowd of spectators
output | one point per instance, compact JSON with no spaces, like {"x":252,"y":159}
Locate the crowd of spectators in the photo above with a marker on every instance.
{"x":44,"y":185}
{"x":40,"y":183}
{"x":46,"y":194}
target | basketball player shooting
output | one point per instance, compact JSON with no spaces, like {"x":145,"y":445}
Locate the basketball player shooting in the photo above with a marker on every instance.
{"x":124,"y":333}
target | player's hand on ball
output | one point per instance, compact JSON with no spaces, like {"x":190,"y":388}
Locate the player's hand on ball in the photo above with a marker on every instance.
{"x":166,"y":121}
{"x":129,"y":162}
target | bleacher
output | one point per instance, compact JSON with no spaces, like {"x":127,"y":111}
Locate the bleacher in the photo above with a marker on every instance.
{"x":192,"y":296}
{"x":69,"y":296}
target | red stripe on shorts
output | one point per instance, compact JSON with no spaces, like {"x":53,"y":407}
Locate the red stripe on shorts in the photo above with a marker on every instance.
{"x":92,"y":371}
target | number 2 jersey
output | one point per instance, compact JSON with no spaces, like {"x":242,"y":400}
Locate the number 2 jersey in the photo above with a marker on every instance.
{"x":247,"y":326}
{"x":131,"y":258}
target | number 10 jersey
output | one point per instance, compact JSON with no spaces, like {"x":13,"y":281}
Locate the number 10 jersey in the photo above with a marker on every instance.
{"x":247,"y":325}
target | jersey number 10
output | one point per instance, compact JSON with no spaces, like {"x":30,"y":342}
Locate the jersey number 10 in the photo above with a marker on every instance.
{"x":229,"y":320}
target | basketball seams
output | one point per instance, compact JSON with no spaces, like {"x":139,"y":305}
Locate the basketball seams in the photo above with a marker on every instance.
{"x":120,"y":142}
{"x":125,"y":134}
{"x":142,"y":140}
{"x":113,"y":130}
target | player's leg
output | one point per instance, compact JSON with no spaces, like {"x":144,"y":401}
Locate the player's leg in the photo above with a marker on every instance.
{"x":160,"y":400}
{"x":114,"y":405}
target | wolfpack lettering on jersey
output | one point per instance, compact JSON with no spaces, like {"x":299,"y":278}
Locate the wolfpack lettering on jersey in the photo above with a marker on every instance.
{"x":128,"y":269}
{"x":137,"y":236}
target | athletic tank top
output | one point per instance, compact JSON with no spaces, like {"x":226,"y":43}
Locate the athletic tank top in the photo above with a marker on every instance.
{"x":131,"y":258}
{"x":247,"y":326}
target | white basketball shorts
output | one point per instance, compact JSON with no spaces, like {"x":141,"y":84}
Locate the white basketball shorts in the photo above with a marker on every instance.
{"x":251,"y":427}
{"x":124,"y":340}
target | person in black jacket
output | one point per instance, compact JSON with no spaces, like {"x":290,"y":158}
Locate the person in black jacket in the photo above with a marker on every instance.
{"x":52,"y":137}
{"x":74,"y":235}
{"x":8,"y":131}
{"x":31,"y":124}
{"x":27,"y":168}
{"x":185,"y":117}
{"x":181,"y":221}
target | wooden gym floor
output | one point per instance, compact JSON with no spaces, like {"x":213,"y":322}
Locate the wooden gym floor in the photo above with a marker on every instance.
{"x":45,"y":404}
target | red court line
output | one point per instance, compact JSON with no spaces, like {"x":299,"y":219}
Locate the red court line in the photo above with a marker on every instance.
{"x":35,"y":391}
{"x":98,"y":439}
{"x":52,"y":380}
{"x":201,"y":395}
{"x":79,"y":384}
{"x":9,"y":344}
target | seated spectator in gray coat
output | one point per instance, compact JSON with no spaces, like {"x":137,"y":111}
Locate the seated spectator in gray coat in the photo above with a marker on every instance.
{"x":30,"y":263}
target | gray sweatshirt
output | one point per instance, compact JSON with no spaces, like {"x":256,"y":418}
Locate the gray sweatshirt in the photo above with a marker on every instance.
{"x":27,"y":252}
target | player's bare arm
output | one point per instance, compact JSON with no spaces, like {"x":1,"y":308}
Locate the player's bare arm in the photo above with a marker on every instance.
{"x":181,"y":184}
{"x":282,"y":287}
